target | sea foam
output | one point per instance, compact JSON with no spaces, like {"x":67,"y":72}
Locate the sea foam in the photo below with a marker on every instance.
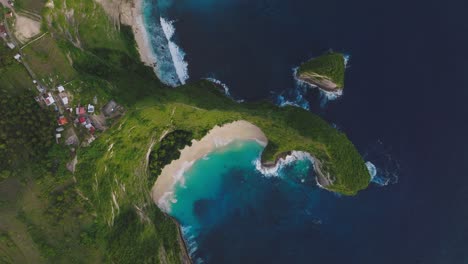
{"x":220,"y":83}
{"x":280,"y":163}
{"x":168,"y":198}
{"x":177,"y":54}
{"x":380,"y":180}
{"x":190,"y":235}
{"x":296,"y":96}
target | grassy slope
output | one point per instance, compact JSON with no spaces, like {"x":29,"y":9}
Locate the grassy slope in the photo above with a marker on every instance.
{"x":330,"y":65}
{"x":48,"y":62}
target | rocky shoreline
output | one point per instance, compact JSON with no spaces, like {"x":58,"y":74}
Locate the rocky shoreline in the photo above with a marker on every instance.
{"x":324,"y":85}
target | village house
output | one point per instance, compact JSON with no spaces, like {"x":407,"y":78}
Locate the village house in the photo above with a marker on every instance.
{"x":11,"y":45}
{"x":62,"y":121}
{"x":82,"y":120}
{"x":3,"y":32}
{"x":64,"y":100}
{"x":80,"y":110}
{"x":61,"y":89}
{"x":17,"y":57}
{"x":90,"y":108}
{"x":40,"y":88}
{"x":109,"y":108}
{"x":49,"y":99}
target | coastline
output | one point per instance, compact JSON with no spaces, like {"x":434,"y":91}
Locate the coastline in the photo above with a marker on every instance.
{"x":217,"y":137}
{"x":324,"y":85}
{"x":141,"y":35}
{"x":130,"y":13}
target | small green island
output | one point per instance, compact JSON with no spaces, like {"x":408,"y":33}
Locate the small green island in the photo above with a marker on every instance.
{"x":327,"y":72}
{"x":81,"y":192}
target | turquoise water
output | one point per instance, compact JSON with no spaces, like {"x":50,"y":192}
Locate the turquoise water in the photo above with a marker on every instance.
{"x":225,"y":186}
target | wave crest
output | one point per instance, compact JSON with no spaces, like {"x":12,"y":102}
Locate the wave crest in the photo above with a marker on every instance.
{"x":177,"y":54}
{"x":281,"y":163}
{"x":220,"y":83}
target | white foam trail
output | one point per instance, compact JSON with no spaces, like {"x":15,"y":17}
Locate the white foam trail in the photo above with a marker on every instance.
{"x":346,"y":57}
{"x":375,"y":178}
{"x":189,"y":237}
{"x":164,"y":203}
{"x":177,"y":54}
{"x":168,"y":198}
{"x":274,"y":170}
{"x":218,"y":82}
{"x":371,"y":168}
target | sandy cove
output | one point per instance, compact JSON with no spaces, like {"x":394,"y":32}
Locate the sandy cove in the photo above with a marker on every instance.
{"x":216,"y":138}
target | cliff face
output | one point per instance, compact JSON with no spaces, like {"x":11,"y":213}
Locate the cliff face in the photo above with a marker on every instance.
{"x":323,"y":83}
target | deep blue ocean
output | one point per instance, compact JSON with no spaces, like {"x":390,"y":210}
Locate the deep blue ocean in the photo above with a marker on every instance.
{"x":404,"y":107}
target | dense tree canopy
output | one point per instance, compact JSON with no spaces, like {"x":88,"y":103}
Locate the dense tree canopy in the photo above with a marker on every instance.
{"x":26,"y":130}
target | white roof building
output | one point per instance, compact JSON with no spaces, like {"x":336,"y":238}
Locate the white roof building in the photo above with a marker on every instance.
{"x":65,"y":100}
{"x":61,"y":88}
{"x":90,"y":108}
{"x":49,"y":100}
{"x":10,"y":45}
{"x":17,"y":56}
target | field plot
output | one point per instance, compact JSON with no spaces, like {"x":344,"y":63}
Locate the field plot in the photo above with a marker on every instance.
{"x":48,"y":62}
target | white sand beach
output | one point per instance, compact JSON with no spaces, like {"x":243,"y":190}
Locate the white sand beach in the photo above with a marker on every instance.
{"x":141,"y":35}
{"x":217,"y":137}
{"x":131,"y":13}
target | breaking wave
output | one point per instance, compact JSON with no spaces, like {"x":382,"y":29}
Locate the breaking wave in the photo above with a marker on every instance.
{"x":177,"y":54}
{"x":168,"y":198}
{"x":384,"y":169}
{"x":296,"y":96}
{"x":190,"y":241}
{"x":380,"y":180}
{"x":270,"y":171}
{"x":220,"y":83}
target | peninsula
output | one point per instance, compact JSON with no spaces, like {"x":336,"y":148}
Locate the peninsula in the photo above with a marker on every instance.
{"x":325,"y":72}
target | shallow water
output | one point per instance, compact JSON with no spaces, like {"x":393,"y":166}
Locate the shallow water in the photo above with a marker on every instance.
{"x":226,"y":202}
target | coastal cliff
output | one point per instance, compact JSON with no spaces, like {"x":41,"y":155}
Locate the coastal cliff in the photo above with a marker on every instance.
{"x":325,"y":72}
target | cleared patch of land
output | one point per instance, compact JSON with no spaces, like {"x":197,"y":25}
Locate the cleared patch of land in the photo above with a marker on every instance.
{"x":26,"y":28}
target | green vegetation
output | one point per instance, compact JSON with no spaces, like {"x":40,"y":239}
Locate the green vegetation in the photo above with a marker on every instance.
{"x":48,"y":62}
{"x":167,"y":150}
{"x":104,"y":212}
{"x":13,"y":75}
{"x":34,"y":6}
{"x":330,"y":66}
{"x":26,"y":130}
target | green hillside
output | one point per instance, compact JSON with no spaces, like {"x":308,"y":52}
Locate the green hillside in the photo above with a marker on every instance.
{"x":329,"y":66}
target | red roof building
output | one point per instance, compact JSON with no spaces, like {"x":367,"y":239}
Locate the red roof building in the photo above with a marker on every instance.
{"x":82,"y":120}
{"x":82,"y":111}
{"x":62,"y":121}
{"x":91,"y":130}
